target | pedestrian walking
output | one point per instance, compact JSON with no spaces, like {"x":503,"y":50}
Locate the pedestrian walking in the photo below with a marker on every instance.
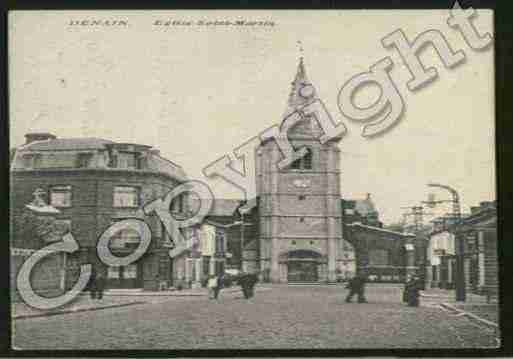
{"x":406,"y":289}
{"x":412,"y":291}
{"x":356,"y":285}
{"x":247,"y":282}
{"x":92,"y":284}
{"x":100,"y":285}
{"x":213,"y":286}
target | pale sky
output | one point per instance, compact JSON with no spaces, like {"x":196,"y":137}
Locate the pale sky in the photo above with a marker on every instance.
{"x":196,"y":92}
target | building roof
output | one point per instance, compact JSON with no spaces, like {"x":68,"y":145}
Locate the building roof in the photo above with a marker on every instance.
{"x":248,"y":206}
{"x":378,"y":229}
{"x":63,"y":144}
{"x":363,"y":206}
{"x":486,"y":214}
{"x":296,"y":98}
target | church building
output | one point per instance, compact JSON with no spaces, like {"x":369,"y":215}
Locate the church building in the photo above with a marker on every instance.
{"x":295,"y":229}
{"x":299,"y":206}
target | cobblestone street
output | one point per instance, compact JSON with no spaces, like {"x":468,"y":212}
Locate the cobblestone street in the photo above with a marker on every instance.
{"x":283,"y":317}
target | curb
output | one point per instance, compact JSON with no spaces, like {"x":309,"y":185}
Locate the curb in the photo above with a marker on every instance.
{"x":49,"y":314}
{"x":175,"y":293}
{"x":142,"y":294}
{"x":471,"y":316}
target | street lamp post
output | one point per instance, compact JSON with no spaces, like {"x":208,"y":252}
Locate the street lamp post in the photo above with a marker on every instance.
{"x":460,"y":262}
{"x":241,"y":241}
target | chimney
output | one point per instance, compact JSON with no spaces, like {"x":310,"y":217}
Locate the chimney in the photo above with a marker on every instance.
{"x":155,"y":151}
{"x":38,"y":136}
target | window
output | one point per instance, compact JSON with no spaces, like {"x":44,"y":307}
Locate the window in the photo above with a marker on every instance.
{"x":301,"y":219}
{"x":307,"y":160}
{"x":177,"y":204}
{"x":125,"y":238}
{"x":112,"y":272}
{"x":84,"y":160}
{"x":303,"y":163}
{"x":27,"y":161}
{"x":60,"y":196}
{"x":126,"y":196}
{"x":142,"y":162}
{"x":302,"y":197}
{"x":38,"y":161}
{"x":130,"y":271}
{"x":32,"y":161}
{"x":127,"y":160}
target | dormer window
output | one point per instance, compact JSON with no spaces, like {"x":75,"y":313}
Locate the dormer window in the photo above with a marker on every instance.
{"x":84,"y":160}
{"x":32,"y":161}
{"x":127,"y":160}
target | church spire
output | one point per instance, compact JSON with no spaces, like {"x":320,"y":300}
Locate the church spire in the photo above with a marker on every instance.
{"x":302,"y":90}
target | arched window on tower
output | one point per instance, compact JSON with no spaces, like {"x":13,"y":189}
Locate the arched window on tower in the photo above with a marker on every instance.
{"x":307,"y":160}
{"x":303,"y":163}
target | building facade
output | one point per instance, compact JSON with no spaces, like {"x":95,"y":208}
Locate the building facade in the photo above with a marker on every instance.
{"x":355,"y":211}
{"x":383,"y":255}
{"x":94,"y":183}
{"x":441,"y":255}
{"x":478,"y":231}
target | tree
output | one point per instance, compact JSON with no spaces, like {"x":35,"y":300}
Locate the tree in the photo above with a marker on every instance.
{"x":32,"y":230}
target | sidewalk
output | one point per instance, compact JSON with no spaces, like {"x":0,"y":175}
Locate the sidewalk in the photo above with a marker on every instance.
{"x":475,"y":307}
{"x":114,"y":298}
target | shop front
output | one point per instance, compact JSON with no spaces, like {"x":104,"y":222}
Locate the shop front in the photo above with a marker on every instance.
{"x":124,"y":277}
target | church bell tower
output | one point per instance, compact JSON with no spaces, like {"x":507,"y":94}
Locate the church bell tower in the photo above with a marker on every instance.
{"x":300,"y":211}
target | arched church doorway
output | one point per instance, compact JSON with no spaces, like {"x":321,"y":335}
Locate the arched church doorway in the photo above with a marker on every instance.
{"x":303,"y":266}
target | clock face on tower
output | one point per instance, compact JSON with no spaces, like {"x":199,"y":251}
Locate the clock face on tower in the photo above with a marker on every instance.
{"x":307,"y":91}
{"x":301,"y":183}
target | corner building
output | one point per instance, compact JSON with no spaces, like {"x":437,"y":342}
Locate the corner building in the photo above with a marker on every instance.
{"x":95,"y":182}
{"x":300,"y":236}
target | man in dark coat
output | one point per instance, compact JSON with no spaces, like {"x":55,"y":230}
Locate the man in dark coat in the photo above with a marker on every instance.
{"x":100,"y":284}
{"x":248,"y":281}
{"x":92,"y":284}
{"x":356,"y":286}
{"x":412,"y":291}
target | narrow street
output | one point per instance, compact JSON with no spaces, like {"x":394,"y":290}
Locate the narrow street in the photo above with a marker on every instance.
{"x":282,"y":317}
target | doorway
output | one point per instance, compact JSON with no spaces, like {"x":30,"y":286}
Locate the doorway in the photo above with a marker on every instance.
{"x":124,"y":277}
{"x":302,"y":271}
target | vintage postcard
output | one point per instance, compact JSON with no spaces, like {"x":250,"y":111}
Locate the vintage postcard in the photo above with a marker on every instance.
{"x":228,"y":179}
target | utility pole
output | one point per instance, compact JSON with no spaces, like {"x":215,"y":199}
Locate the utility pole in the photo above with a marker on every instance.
{"x":460,"y":250}
{"x":241,"y":241}
{"x":418,"y":216}
{"x":418,"y":220}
